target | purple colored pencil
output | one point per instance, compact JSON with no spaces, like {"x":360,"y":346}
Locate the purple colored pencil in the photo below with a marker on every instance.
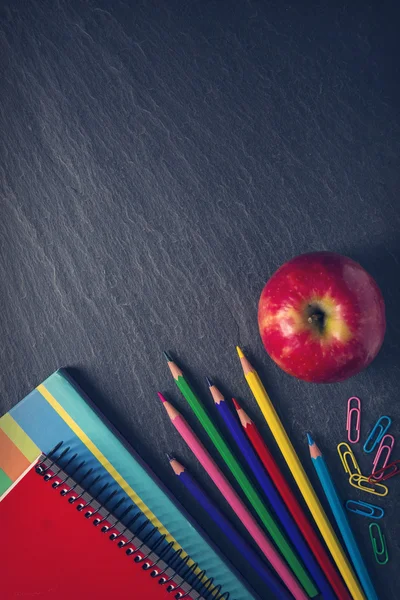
{"x":271,"y":493}
{"x":273,"y":582}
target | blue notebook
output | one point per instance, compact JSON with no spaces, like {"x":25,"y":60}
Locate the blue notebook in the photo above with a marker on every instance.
{"x":57,"y":410}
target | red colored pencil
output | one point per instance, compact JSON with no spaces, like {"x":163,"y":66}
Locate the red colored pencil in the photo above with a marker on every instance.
{"x":292,"y":504}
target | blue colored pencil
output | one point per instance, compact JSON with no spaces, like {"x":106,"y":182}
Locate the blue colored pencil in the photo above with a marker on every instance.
{"x":341,"y":519}
{"x":271,"y":580}
{"x":271,"y":493}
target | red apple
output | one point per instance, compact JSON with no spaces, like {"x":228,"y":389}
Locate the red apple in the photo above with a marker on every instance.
{"x":322,"y":317}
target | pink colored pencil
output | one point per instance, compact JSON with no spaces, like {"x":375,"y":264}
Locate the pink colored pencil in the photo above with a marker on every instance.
{"x":235,"y":502}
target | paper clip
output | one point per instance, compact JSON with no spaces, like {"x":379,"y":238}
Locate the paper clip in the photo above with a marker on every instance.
{"x":350,"y":410}
{"x":375,"y":530}
{"x":381,"y":429}
{"x":387,"y":472}
{"x":350,"y":464}
{"x":372,"y":487}
{"x":382,"y":447}
{"x":364,"y":509}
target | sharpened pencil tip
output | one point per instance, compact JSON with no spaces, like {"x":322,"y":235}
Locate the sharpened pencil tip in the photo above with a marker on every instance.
{"x":162,"y":398}
{"x":169,"y":456}
{"x":167,"y":356}
{"x":236,"y":404}
{"x":177,"y":468}
{"x":209,"y":382}
{"x":239,"y":351}
{"x":310,"y":440}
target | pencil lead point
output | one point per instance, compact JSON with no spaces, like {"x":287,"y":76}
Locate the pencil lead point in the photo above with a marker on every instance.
{"x":167,"y":356}
{"x":209,"y":382}
{"x":170,"y":457}
{"x":236,"y":404}
{"x":310,"y":440}
{"x":162,"y":398}
{"x":239,"y":351}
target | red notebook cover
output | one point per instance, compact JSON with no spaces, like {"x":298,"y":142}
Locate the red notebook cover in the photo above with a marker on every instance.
{"x":49,"y":550}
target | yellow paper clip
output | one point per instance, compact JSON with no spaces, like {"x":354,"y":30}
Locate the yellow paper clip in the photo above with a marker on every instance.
{"x":356,"y":478}
{"x":348,"y":459}
{"x":362,"y":483}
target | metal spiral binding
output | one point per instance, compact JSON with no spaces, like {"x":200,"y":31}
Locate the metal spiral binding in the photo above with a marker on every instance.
{"x":50,"y":468}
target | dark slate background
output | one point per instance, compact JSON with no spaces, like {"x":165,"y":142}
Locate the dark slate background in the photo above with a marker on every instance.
{"x":159,"y":160}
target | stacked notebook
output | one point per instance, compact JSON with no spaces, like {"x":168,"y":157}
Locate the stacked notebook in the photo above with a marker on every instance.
{"x":98,"y":460}
{"x":80,"y":549}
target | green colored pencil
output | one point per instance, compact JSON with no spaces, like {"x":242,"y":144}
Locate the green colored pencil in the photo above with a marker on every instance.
{"x":242,"y":479}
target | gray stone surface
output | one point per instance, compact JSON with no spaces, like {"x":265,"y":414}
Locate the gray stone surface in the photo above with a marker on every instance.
{"x":158,"y":161}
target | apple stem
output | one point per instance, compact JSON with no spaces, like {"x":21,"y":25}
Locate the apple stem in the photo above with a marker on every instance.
{"x":316,"y":318}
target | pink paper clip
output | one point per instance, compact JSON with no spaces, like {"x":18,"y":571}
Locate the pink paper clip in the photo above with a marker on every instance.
{"x":387,"y":472}
{"x":350,"y":410}
{"x":382,"y":447}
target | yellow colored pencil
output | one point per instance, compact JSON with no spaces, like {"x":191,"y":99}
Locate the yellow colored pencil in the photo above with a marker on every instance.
{"x":300,"y":476}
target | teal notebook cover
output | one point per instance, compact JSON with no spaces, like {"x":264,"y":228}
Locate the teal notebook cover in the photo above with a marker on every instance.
{"x":57,"y":410}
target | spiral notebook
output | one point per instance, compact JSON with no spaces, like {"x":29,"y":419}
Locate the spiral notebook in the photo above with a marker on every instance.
{"x":58,"y":410}
{"x":59,"y":542}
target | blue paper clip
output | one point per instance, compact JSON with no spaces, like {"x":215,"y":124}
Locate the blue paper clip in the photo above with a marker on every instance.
{"x":381,"y":553}
{"x":366,"y":510}
{"x":376,"y":437}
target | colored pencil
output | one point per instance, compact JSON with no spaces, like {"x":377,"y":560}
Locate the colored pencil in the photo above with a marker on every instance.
{"x":246,"y":551}
{"x":292,"y":504}
{"x":271,"y":493}
{"x":300,"y":476}
{"x":341,"y":519}
{"x":249,"y":522}
{"x":244,"y":482}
